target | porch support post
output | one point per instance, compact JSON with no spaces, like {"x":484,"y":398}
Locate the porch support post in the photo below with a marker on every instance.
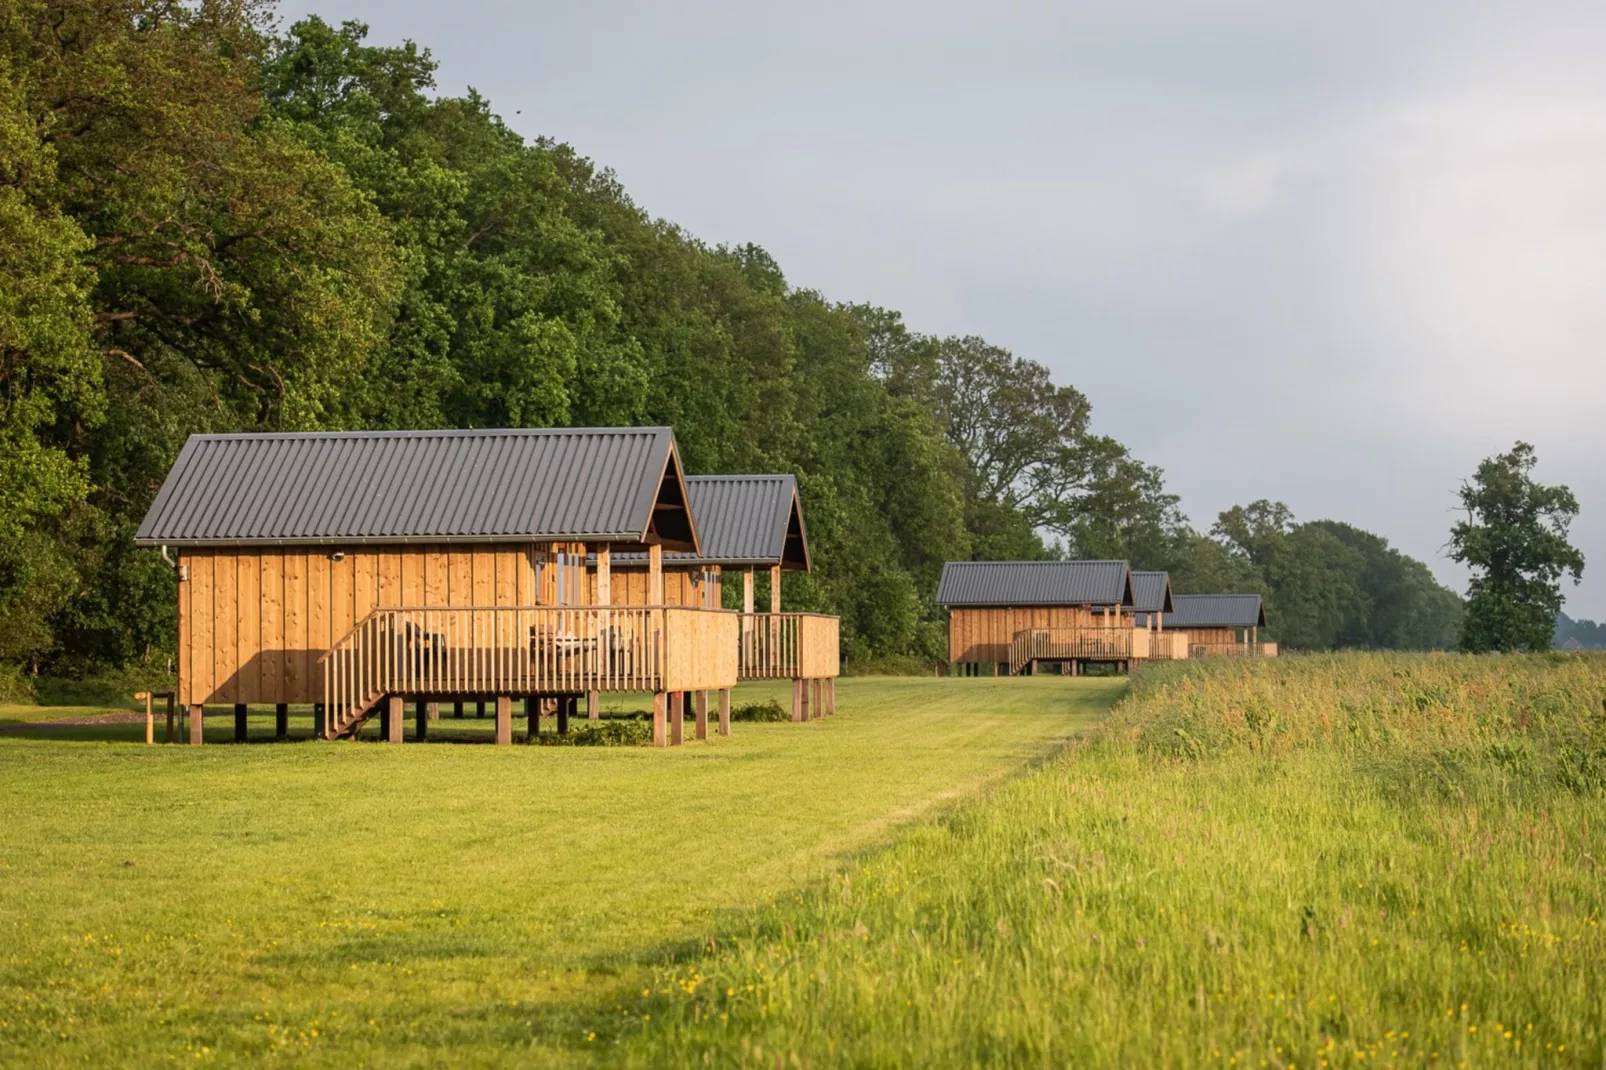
{"x":320,"y":721}
{"x":798,"y":712}
{"x":504,"y":720}
{"x":593,"y":705}
{"x":532,"y":715}
{"x":677,"y":718}
{"x":281,"y":721}
{"x":479,"y":708}
{"x":239,"y":722}
{"x":457,"y":709}
{"x":655,"y":574}
{"x":701,"y":698}
{"x":197,"y":724}
{"x":421,"y":719}
{"x":432,"y":711}
{"x":565,"y":704}
{"x":775,"y":588}
{"x":830,"y":696}
{"x":171,"y":699}
{"x":397,"y":708}
{"x":660,"y":727}
{"x":724,"y":711}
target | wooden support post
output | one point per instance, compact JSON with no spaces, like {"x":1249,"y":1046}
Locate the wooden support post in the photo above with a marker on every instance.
{"x":421,"y":719}
{"x":171,"y":701}
{"x":593,"y":705}
{"x":655,"y":574}
{"x":532,"y":715}
{"x":281,"y":721}
{"x":677,"y":718}
{"x":320,"y":721}
{"x":701,"y":700}
{"x":479,"y":708}
{"x":504,"y":720}
{"x":808,"y":691}
{"x":240,"y":727}
{"x":432,"y":711}
{"x":660,"y":729}
{"x":830,"y":696}
{"x":565,"y":704}
{"x":798,"y":713}
{"x":197,"y":724}
{"x":397,"y":708}
{"x":457,"y":710}
{"x":819,"y":697}
{"x":724,"y":711}
{"x":150,"y":719}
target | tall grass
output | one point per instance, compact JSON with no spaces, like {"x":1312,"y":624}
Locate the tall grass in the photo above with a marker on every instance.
{"x":1307,"y":862}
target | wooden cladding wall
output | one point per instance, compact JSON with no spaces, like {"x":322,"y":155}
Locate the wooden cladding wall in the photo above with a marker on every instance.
{"x":984,"y":635}
{"x":628,"y":587}
{"x":252,"y":623}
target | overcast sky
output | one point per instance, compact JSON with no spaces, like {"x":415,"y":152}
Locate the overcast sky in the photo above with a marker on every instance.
{"x":1332,"y":254}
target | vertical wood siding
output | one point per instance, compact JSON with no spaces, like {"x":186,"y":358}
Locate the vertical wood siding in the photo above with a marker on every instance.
{"x":983,"y":635}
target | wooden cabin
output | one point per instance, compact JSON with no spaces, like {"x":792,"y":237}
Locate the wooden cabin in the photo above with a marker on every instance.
{"x":747,"y":523}
{"x":1015,"y":615}
{"x":351,"y":570}
{"x":1151,"y":603}
{"x":1222,"y":624}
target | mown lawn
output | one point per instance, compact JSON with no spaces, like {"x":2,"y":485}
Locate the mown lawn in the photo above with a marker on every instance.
{"x":1310,"y":862}
{"x":345,"y":904}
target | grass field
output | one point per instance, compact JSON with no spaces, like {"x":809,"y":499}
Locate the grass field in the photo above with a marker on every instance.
{"x":340,"y":904}
{"x":1308,"y":862}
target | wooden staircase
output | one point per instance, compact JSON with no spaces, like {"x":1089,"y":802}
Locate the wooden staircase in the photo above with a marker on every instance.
{"x":346,"y":723}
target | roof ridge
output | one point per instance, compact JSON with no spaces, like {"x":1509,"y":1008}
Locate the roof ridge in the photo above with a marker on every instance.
{"x":427,"y":432}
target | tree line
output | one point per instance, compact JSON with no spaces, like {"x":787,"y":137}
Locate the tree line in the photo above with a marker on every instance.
{"x":212,"y":225}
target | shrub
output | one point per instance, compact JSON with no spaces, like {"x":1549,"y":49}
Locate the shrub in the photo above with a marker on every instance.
{"x":615,"y":732}
{"x":768,"y":710}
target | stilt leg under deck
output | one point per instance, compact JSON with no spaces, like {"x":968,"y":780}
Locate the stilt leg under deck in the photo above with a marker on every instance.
{"x":566,"y":703}
{"x":281,"y":721}
{"x":660,"y":726}
{"x":504,"y":720}
{"x":593,"y":705}
{"x":725,"y":711}
{"x":398,"y":718}
{"x":830,"y":697}
{"x":677,"y":718}
{"x":457,"y":710}
{"x":320,"y":721}
{"x":197,"y":725}
{"x":701,"y":699}
{"x":798,"y":713}
{"x":817,"y":706}
{"x":809,"y":711}
{"x":421,"y":719}
{"x":240,"y":730}
{"x":532,"y":715}
{"x":432,"y":711}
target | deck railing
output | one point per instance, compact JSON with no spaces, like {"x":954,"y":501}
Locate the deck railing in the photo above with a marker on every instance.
{"x":1077,"y":644}
{"x":789,"y":646}
{"x":1240,"y":650}
{"x":526,"y":650}
{"x":1168,"y":646}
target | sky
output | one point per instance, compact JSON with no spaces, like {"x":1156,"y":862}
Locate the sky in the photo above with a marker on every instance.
{"x":1329,"y":254}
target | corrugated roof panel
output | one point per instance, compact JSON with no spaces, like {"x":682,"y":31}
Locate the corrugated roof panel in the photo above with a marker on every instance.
{"x":1151,"y":592}
{"x":1034,"y":583}
{"x":741,"y":520}
{"x":1217,"y":611}
{"x":581,"y":483}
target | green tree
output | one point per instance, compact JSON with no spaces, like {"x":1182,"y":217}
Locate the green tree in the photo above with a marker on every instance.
{"x":1515,"y":541}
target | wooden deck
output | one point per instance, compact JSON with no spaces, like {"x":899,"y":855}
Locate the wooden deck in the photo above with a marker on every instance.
{"x":789,"y":646}
{"x":1120,"y":644}
{"x":524,"y":650}
{"x":1232,"y":650}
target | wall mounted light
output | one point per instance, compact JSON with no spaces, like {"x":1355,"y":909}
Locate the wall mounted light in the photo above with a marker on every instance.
{"x":338,"y":555}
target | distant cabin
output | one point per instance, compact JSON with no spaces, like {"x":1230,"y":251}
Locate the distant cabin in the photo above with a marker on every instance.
{"x":1221,"y":624}
{"x":992,"y":604}
{"x":1152,"y":605}
{"x":744,"y":522}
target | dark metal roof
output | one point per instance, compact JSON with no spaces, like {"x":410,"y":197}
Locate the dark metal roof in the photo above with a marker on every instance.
{"x":742,"y":520}
{"x":1217,"y":611}
{"x":1151,"y":592}
{"x":1035,"y":583}
{"x":597,"y":484}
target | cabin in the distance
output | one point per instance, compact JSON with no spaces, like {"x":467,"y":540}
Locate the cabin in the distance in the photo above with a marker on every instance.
{"x":1151,"y":603}
{"x":1013,"y":616}
{"x":347,"y":570}
{"x":1219,"y":624}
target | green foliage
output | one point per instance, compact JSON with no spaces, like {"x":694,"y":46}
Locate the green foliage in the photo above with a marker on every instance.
{"x":767,"y":710}
{"x":613,"y":732}
{"x":1515,"y":541}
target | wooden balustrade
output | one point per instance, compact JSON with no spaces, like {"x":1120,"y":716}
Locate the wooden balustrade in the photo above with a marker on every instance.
{"x":1076,"y":644}
{"x":1168,"y":646}
{"x":526,"y":650}
{"x":789,"y":646}
{"x":1237,"y":650}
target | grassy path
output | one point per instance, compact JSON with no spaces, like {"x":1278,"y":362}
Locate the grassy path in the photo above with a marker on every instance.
{"x":361,"y":903}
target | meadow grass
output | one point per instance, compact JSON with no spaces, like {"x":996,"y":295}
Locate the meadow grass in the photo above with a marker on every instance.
{"x":363,"y":904}
{"x":1303,"y":862}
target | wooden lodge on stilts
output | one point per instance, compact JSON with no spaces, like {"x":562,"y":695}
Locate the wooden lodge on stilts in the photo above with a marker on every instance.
{"x":1222,"y":625}
{"x":1012,"y":617}
{"x":1152,"y":604}
{"x":358,"y":571}
{"x":751,"y":524}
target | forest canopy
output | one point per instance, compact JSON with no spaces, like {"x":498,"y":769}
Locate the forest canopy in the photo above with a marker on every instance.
{"x":212,"y":224}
